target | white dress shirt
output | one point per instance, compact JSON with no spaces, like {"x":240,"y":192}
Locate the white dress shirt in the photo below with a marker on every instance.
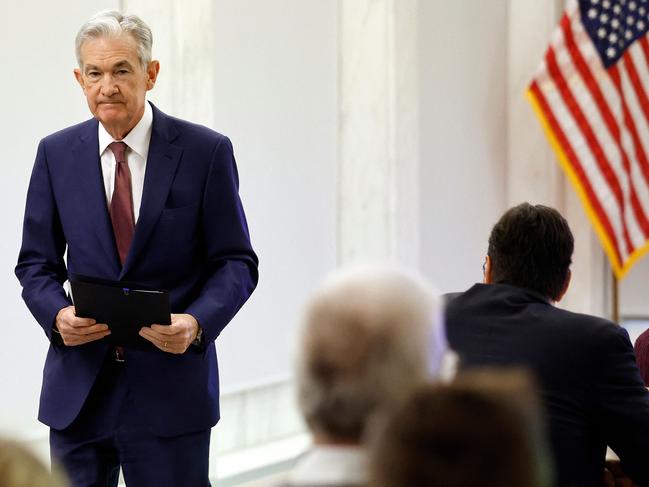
{"x":137,"y":140}
{"x":331,"y":465}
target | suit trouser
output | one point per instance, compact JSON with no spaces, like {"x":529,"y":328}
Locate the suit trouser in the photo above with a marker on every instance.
{"x":109,"y":434}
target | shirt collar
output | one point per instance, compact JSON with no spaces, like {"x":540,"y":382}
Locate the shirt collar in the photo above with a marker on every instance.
{"x":331,"y":465}
{"x":138,"y":138}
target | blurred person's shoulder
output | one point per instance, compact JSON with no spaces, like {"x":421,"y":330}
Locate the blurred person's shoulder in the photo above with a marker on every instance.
{"x":448,"y":298}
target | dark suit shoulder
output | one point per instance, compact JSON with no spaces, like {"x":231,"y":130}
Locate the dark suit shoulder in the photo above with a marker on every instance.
{"x":591,"y":321}
{"x":483,"y":307}
{"x":54,"y":148}
{"x":494,"y":296}
{"x":599,"y":331}
{"x":70,"y":134}
{"x":448,"y":297}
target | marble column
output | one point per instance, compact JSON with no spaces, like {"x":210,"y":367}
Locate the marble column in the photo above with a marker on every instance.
{"x":533,"y":173}
{"x":378,"y":156}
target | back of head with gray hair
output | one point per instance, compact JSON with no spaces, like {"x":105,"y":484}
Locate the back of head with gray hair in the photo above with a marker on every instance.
{"x":111,"y":23}
{"x":369,"y":337}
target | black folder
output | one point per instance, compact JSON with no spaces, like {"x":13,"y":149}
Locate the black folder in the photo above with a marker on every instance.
{"x":124,"y":307}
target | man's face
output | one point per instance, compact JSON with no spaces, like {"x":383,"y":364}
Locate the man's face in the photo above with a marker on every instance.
{"x":114,"y":82}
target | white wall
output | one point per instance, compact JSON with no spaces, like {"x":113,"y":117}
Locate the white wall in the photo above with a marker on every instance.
{"x":463,"y":133}
{"x":39,"y":96}
{"x":275,"y":96}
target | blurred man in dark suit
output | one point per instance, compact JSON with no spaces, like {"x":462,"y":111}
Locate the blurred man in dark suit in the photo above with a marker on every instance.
{"x":585,"y":366}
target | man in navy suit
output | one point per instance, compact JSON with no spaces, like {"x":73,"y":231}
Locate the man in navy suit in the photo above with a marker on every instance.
{"x":138,"y":196}
{"x":584,"y":365}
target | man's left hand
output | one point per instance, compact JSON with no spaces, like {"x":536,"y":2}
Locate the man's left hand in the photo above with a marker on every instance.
{"x":174,"y":338}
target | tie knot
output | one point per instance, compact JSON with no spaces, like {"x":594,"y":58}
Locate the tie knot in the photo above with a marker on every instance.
{"x":119,"y":149}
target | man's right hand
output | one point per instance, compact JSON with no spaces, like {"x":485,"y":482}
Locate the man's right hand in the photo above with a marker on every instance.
{"x":77,"y":331}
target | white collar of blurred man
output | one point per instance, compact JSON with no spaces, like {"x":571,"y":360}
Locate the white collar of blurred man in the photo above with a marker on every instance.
{"x":115,"y":82}
{"x":331,"y":465}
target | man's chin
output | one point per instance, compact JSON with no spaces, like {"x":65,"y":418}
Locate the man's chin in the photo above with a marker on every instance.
{"x":111,"y":116}
{"x":112,"y":110}
{"x":117,"y":126}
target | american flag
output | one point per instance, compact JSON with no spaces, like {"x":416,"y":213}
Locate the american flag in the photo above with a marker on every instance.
{"x":591,"y":94}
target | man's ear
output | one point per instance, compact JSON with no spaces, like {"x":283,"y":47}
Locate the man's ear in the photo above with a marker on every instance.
{"x":566,"y":284}
{"x":487,"y":279}
{"x":152,"y":71}
{"x":79,"y":77}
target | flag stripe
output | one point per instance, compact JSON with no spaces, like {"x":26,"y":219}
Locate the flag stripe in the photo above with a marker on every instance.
{"x":631,"y":77}
{"x":640,"y":158}
{"x":644,"y":45}
{"x":609,"y":146}
{"x":595,"y":117}
{"x":620,"y":149}
{"x":634,"y":77}
{"x":591,"y":139}
{"x":591,"y":94}
{"x":588,"y":165}
{"x":638,"y":229}
{"x":584,"y":181}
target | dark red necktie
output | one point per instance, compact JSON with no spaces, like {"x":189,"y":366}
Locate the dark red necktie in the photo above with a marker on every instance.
{"x":121,"y":204}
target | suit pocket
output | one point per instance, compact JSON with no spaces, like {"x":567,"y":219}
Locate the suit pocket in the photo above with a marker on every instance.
{"x":180,"y":212}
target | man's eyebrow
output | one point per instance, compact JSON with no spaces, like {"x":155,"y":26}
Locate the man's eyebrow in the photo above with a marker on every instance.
{"x":119,"y":64}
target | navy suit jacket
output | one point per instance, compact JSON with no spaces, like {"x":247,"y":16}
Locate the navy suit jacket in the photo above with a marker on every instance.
{"x":584,"y":365}
{"x":191,"y":239}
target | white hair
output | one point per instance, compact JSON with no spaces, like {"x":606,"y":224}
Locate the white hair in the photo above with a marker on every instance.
{"x":111,"y":23}
{"x":369,"y":336}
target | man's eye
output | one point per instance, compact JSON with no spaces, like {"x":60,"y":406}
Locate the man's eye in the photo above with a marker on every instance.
{"x":122,"y":71}
{"x":93,"y":74}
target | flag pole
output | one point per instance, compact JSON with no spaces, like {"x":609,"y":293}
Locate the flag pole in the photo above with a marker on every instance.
{"x":615,"y":283}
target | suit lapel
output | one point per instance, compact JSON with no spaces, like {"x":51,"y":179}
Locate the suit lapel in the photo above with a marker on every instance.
{"x":86,"y":170}
{"x":162,"y":161}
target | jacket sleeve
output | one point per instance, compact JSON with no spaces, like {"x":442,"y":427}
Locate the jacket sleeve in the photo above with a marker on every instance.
{"x":232,"y":264}
{"x":41,"y":267}
{"x":623,"y":404}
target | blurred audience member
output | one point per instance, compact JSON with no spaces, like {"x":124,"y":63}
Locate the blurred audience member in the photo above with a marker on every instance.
{"x":370,"y":336}
{"x":584,"y":365}
{"x":482,"y":430}
{"x":20,"y":468}
{"x":642,"y":355}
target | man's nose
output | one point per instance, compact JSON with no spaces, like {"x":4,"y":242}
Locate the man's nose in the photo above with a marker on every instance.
{"x":108,"y":86}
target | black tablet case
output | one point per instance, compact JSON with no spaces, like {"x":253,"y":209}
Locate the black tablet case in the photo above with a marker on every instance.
{"x":124,"y":307}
